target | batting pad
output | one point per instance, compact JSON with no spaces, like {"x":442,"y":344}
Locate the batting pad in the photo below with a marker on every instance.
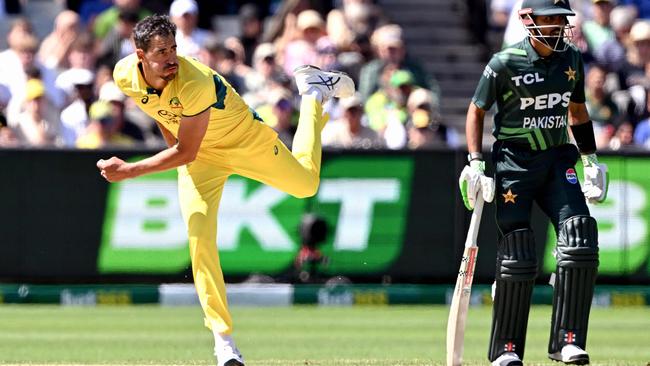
{"x":515,"y":275}
{"x":577,"y":266}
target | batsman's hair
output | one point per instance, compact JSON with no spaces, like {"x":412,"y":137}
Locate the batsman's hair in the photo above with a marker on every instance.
{"x":151,"y":26}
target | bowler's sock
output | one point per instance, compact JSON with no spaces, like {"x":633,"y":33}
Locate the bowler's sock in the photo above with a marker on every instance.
{"x":315,"y":93}
{"x":222,"y":341}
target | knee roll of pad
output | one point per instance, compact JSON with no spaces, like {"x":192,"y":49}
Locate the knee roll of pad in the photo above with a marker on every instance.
{"x":577,"y":266}
{"x":577,"y":245}
{"x":515,"y":276}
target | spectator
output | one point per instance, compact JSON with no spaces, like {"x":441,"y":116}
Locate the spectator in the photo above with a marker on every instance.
{"x":388,"y":104}
{"x":82,"y":52}
{"x":74,"y":118}
{"x":106,"y":20}
{"x":612,"y":53}
{"x":598,"y":30}
{"x":349,"y":131}
{"x":265,"y":76}
{"x":32,"y":125}
{"x":234,"y":44}
{"x":189,"y":38}
{"x":642,"y":130}
{"x":16,"y":62}
{"x":302,"y":50}
{"x":391,"y":52}
{"x":357,"y":18}
{"x":624,"y":137}
{"x":80,"y":57}
{"x":103,"y":130}
{"x":224,"y":61}
{"x":281,"y":115}
{"x":326,"y":55}
{"x":54,"y":49}
{"x":117,"y":44}
{"x":425,"y":127}
{"x":111,"y":94}
{"x":8,"y":136}
{"x":633,"y":70}
{"x":601,"y":107}
{"x":250,"y":22}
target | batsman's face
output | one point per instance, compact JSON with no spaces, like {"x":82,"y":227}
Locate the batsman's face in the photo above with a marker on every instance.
{"x":551,"y":25}
{"x":160,"y":59}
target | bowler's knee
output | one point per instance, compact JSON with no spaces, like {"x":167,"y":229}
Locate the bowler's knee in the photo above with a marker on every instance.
{"x":306,"y":188}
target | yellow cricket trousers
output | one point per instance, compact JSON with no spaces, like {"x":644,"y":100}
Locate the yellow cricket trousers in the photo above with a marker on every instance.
{"x":253,"y":150}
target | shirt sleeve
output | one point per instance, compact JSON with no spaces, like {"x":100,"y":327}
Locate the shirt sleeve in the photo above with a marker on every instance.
{"x":486,"y":91}
{"x":578,"y":94}
{"x":198,"y":94}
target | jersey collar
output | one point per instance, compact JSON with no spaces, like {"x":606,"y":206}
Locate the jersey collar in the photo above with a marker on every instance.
{"x":533,"y":56}
{"x":139,"y":83}
{"x":530,"y":51}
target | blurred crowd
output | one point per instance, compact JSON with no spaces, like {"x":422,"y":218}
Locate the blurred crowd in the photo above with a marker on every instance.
{"x":58,"y":91}
{"x":614,"y":38}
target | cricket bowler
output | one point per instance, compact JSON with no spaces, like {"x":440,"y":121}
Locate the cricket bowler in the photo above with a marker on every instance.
{"x":212,"y":134}
{"x":538,"y":88}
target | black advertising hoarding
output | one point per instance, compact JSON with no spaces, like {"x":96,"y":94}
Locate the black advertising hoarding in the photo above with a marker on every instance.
{"x":395,"y":214}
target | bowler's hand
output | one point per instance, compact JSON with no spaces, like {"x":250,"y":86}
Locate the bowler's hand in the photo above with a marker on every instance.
{"x":114,"y":169}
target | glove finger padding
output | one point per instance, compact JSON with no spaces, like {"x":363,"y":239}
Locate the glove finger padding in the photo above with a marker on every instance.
{"x":487,"y":188}
{"x":596,"y":183}
{"x":469,"y":185}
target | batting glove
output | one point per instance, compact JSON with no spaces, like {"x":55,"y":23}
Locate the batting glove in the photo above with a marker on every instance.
{"x":596,"y":179}
{"x":473,"y":181}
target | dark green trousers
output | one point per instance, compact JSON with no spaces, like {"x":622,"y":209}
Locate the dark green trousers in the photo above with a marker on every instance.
{"x":547,"y":177}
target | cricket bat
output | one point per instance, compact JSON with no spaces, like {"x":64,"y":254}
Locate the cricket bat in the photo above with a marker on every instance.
{"x":462,"y":292}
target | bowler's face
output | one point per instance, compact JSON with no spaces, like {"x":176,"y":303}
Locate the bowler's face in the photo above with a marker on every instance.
{"x":161,"y":58}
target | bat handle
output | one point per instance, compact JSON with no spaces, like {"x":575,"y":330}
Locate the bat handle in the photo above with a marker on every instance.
{"x":475,"y":223}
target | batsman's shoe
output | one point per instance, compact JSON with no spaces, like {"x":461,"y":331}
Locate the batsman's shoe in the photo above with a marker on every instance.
{"x":571,"y":355}
{"x":507,"y":359}
{"x":329,"y":83}
{"x":229,"y":356}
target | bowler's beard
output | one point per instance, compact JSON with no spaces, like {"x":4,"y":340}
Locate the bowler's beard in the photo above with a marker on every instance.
{"x":169,"y":77}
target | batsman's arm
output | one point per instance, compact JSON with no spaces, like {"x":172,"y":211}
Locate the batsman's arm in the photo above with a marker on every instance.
{"x":578,"y":114}
{"x":170,"y":140}
{"x":582,"y":128}
{"x":190,"y":134}
{"x":474,"y":128}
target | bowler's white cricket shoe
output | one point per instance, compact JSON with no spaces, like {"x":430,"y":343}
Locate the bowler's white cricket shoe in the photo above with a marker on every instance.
{"x":229,"y":356}
{"x":571,"y":355}
{"x":329,"y":83}
{"x":507,"y":359}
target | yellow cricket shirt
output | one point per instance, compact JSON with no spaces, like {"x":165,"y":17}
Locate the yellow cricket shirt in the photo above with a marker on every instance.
{"x":195,"y":88}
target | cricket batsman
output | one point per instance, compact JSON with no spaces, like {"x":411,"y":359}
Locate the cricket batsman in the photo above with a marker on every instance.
{"x":538,"y":87}
{"x":211,"y":134}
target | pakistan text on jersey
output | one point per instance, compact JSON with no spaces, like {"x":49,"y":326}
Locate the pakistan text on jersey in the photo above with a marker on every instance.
{"x":545,"y":122}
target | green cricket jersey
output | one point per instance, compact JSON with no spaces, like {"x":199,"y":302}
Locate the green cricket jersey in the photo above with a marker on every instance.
{"x":532,"y":94}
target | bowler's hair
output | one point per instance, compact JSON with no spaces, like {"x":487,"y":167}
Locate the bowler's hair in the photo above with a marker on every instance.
{"x":151,"y":26}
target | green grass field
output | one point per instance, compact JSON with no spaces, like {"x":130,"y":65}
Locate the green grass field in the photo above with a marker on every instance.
{"x":391,"y":335}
